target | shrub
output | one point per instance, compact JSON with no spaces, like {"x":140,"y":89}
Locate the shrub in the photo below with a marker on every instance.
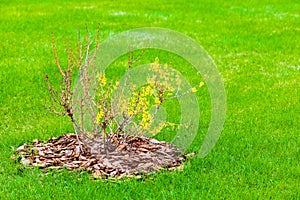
{"x":112,"y":112}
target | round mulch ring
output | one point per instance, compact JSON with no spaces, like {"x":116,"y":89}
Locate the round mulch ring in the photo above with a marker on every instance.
{"x":118,"y":157}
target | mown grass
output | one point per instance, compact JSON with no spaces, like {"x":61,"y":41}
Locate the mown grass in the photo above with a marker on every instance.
{"x":255,"y":45}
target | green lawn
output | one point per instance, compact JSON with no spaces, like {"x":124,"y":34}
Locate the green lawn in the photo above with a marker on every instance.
{"x":255,"y":45}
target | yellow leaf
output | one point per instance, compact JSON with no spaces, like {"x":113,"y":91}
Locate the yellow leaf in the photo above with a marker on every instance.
{"x":201,"y":84}
{"x":156,"y":101}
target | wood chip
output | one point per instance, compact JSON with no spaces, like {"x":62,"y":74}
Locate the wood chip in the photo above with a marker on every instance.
{"x":126,"y":155}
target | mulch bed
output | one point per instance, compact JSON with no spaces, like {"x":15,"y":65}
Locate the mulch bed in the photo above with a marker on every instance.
{"x":128,"y":155}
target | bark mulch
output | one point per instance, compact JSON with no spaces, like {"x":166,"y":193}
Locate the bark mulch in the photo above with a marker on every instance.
{"x":128,"y":155}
